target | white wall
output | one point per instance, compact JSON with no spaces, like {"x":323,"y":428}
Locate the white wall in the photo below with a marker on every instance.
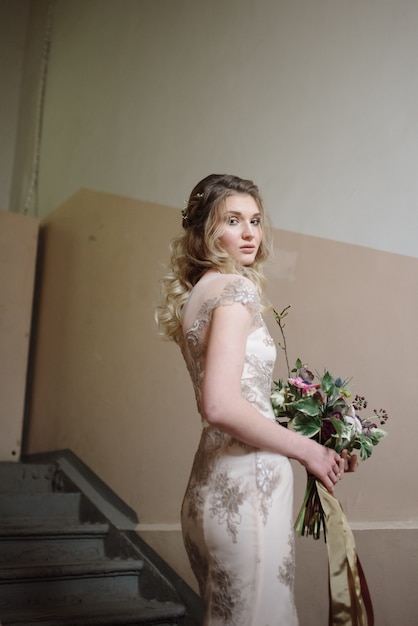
{"x":314,"y":100}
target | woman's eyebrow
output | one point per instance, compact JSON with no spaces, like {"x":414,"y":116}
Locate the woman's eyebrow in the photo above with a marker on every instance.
{"x":238,"y":213}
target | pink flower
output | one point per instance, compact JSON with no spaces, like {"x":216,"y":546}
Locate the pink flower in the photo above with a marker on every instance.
{"x":307,"y":388}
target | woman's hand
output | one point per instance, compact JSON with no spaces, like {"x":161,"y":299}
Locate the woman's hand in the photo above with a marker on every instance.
{"x":350,"y":461}
{"x":329,"y":466}
{"x":324,"y":463}
{"x":334,"y":465}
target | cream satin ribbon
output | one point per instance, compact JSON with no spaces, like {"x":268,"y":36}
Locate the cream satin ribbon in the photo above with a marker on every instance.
{"x":350,"y":603}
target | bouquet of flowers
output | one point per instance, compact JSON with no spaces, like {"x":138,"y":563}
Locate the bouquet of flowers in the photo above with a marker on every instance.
{"x":322,"y":408}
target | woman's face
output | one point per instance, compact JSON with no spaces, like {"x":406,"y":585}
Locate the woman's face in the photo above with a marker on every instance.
{"x":242,"y":234}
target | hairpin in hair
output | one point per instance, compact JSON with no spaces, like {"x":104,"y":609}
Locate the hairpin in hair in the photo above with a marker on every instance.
{"x":185,"y":210}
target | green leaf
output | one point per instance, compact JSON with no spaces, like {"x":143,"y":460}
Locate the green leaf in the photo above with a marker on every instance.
{"x":328,"y":384}
{"x":306,"y":425}
{"x":340,"y":404}
{"x":376,"y":435}
{"x":338,"y":425}
{"x":307,"y":405}
{"x":298,"y":364}
{"x":365,"y":445}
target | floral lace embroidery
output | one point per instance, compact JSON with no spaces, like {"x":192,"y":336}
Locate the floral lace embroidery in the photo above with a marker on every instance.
{"x":228,"y":496}
{"x":268,"y":339}
{"x":211,"y":444}
{"x":235,"y":291}
{"x":228,"y":605}
{"x":194,"y":345}
{"x":256,"y":385}
{"x":213,"y":441}
{"x":286,"y":573}
{"x":240,"y":291}
{"x":198,"y":563}
{"x":267,"y":478}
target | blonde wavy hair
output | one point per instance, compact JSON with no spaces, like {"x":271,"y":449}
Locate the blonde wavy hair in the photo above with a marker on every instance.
{"x":198,"y":248}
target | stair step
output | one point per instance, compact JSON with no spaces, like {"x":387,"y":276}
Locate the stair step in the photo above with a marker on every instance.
{"x":47,"y":549}
{"x":52,"y":527}
{"x":27,"y":478}
{"x":108,"y":613}
{"x":69,"y":585}
{"x":90,"y":569}
{"x":40,"y":506}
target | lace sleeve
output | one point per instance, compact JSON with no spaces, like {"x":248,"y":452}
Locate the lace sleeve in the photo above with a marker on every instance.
{"x":240,"y":290}
{"x":222,"y":290}
{"x":237,"y":289}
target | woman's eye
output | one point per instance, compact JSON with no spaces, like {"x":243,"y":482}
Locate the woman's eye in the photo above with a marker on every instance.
{"x":233,"y":220}
{"x":256,"y":221}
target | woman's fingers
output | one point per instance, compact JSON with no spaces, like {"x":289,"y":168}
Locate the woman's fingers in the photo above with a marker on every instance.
{"x":335,"y":473}
{"x":340,"y":464}
{"x":350,"y":461}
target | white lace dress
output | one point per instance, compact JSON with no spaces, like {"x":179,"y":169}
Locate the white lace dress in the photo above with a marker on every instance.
{"x":237,"y":510}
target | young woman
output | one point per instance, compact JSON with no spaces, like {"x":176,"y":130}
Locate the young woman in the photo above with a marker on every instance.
{"x":237,"y":510}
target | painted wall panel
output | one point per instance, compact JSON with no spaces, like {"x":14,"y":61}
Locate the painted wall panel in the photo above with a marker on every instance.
{"x":18,"y":247}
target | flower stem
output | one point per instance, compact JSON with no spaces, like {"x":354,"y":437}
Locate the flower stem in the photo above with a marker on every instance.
{"x":311,"y":515}
{"x":279,"y":317}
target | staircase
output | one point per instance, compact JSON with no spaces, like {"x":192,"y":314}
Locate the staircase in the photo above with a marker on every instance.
{"x":64,"y":562}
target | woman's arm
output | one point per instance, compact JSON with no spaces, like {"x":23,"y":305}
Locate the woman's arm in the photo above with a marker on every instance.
{"x":224,"y":407}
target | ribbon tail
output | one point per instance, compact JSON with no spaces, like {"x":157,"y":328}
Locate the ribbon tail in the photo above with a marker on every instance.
{"x":365,"y":594}
{"x":350,"y":603}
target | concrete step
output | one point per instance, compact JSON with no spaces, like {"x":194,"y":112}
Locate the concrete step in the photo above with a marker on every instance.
{"x":23,"y":510}
{"x":28,"y":478}
{"x":59,"y":542}
{"x":74,"y":583}
{"x":57,"y":548}
{"x":39,"y":506}
{"x":73,"y":568}
{"x":26,"y":528}
{"x":107,"y":613}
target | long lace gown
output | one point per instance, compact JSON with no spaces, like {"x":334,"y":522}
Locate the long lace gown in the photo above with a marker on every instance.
{"x":237,"y":510}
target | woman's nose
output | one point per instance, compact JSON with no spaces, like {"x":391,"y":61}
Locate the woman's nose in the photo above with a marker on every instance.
{"x":247,"y":232}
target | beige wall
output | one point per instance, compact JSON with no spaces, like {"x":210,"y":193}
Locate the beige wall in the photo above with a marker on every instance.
{"x":110,"y":389}
{"x":101,"y":387}
{"x":355,"y":312}
{"x":18,"y":247}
